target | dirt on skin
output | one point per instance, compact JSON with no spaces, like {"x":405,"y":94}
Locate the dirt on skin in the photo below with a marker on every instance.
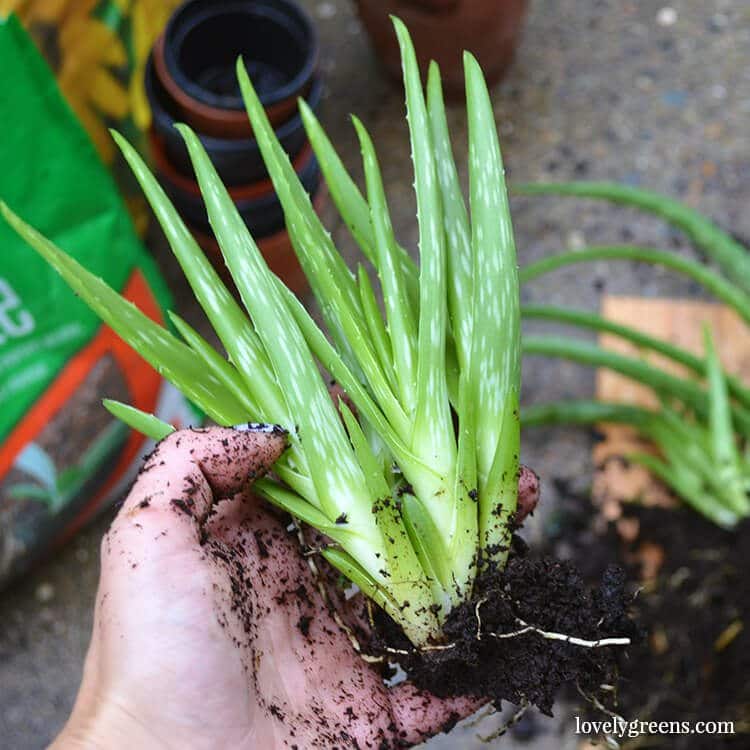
{"x":513,"y":641}
{"x":523,"y":667}
{"x":694,"y":664}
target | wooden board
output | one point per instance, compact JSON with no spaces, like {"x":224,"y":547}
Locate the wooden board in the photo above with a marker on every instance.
{"x":679,"y":322}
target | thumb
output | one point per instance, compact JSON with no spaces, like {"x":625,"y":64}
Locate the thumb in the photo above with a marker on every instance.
{"x":188,"y":472}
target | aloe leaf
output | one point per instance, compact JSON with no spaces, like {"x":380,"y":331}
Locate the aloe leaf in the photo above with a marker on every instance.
{"x":697,"y":498}
{"x":662,"y":382}
{"x":495,"y":357}
{"x":428,"y":542}
{"x":371,"y":467}
{"x":678,"y":474}
{"x":294,"y":504}
{"x":295,"y":369}
{"x":381,"y":341}
{"x":730,"y":255}
{"x":228,"y":375}
{"x":401,"y":324}
{"x":724,"y":290}
{"x":433,"y":431}
{"x":592,"y":321}
{"x":349,"y":200}
{"x":330,"y":279}
{"x":418,"y":625}
{"x":403,"y":564}
{"x":464,"y":527}
{"x":334,"y":364}
{"x":724,"y":451}
{"x":227,"y":318}
{"x":165,"y":353}
{"x":339,"y":483}
{"x":581,"y":411}
{"x":456,"y":222}
{"x":146,"y":424}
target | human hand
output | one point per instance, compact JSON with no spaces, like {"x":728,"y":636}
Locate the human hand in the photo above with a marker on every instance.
{"x":210,"y":631}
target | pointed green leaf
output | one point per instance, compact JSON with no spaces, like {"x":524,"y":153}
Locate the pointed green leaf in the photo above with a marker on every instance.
{"x":724,"y":290}
{"x":456,"y":222}
{"x":165,"y":353}
{"x":433,"y":427}
{"x":495,"y":351}
{"x":729,"y":254}
{"x":401,"y":324}
{"x":226,"y":316}
{"x":228,"y":375}
{"x":146,"y":424}
{"x":592,"y":321}
{"x":349,"y":200}
{"x":724,"y":451}
{"x":687,"y":391}
{"x":373,"y":319}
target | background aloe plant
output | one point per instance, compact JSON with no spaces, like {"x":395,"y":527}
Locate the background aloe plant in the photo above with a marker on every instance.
{"x":704,"y":418}
{"x":411,"y":504}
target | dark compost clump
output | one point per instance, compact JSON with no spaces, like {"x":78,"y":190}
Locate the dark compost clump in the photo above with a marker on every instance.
{"x":494,"y":647}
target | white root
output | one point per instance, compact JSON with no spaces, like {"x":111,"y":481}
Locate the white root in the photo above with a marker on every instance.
{"x":324,"y":594}
{"x":487,"y":710}
{"x":526,"y":628}
{"x":478,"y":606}
{"x":574,"y":640}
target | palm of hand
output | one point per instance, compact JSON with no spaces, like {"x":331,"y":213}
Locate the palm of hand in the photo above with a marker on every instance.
{"x":213,"y":634}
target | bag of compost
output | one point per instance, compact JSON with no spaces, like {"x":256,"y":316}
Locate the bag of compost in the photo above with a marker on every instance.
{"x":62,"y":456}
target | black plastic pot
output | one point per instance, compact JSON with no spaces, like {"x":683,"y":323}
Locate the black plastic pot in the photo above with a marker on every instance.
{"x":276,"y":39}
{"x":238,"y":161}
{"x":263,"y":214}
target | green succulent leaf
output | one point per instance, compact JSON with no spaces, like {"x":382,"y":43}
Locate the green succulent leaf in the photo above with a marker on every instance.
{"x":146,"y":424}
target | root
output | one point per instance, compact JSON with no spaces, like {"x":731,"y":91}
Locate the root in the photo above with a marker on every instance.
{"x":517,"y":716}
{"x":526,"y":628}
{"x":486,"y":710}
{"x":478,"y":606}
{"x":574,"y":640}
{"x":310,"y":555}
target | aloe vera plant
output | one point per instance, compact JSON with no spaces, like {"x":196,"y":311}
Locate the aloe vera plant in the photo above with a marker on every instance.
{"x":413,"y":506}
{"x":698,"y":457}
{"x":698,"y":427}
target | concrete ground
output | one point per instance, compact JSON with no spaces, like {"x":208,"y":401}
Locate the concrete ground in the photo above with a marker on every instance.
{"x":640,"y":92}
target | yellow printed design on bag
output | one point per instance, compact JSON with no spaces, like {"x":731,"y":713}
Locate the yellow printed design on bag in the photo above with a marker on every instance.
{"x":98,"y":50}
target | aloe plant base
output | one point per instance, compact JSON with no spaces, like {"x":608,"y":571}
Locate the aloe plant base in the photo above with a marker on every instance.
{"x":528,"y":630}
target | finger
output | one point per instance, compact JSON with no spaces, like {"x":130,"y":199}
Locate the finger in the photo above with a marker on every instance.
{"x":528,"y":493}
{"x":191,"y":468}
{"x":419,"y":715}
{"x":179,"y":484}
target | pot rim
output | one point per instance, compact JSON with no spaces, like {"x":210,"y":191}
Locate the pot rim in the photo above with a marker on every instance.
{"x":230,"y":123}
{"x":251,"y":191}
{"x":167,"y":119}
{"x":214,"y":105}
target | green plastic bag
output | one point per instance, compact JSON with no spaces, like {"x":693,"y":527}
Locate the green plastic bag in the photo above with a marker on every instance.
{"x":62,"y":457}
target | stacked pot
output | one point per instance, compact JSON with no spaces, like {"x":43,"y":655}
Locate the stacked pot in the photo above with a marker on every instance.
{"x":190,"y":77}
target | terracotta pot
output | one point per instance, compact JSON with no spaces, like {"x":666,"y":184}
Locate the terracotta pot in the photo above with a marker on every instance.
{"x":442,"y":30}
{"x":237,"y":160}
{"x":195,"y":61}
{"x":277,"y":250}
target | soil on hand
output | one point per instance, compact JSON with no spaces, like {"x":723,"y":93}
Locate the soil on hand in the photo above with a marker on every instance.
{"x":509,"y":642}
{"x":695,"y":606}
